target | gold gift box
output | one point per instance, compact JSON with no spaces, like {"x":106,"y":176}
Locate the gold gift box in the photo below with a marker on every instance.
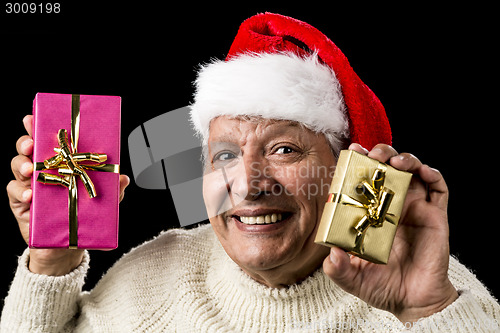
{"x":363,"y":208}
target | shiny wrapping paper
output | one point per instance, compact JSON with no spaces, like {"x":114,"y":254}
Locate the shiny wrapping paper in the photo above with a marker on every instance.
{"x":84,"y":215}
{"x":364,"y":206}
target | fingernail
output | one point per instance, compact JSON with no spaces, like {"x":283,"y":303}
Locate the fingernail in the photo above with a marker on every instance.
{"x":26,"y":144}
{"x":26,"y":195}
{"x":333,"y":258}
{"x":353,"y":146}
{"x":434,"y":169}
{"x":26,"y":168}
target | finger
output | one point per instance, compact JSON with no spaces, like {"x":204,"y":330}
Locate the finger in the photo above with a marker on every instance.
{"x":358,"y":148}
{"x":382,"y":152}
{"x":124,"y":182}
{"x":406,"y":162}
{"x":432,"y":178}
{"x":437,"y":188}
{"x":337,"y":266}
{"x":24,"y":145}
{"x":410,"y":163}
{"x":22,"y":168}
{"x":19,"y":198}
{"x":18,"y":193}
{"x":28,"y":124}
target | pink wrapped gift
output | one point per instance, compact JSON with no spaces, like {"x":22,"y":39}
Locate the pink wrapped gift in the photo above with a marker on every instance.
{"x":75,"y":183}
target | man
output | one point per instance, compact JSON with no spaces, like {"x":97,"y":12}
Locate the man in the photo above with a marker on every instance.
{"x":273,"y":117}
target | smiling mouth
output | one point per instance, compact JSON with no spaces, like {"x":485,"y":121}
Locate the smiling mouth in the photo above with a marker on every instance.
{"x":263,"y":219}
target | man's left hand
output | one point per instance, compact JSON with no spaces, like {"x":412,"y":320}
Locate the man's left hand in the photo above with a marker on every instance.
{"x":414,"y":283}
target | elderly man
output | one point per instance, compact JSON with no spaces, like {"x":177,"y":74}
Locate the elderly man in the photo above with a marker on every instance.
{"x":273,"y":117}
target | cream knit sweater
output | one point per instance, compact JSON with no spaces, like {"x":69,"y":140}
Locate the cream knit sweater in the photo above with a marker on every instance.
{"x":183,"y":281}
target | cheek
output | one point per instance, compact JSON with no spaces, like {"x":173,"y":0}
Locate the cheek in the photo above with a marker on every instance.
{"x":306,"y":183}
{"x":219,"y":227}
{"x":215,"y":194}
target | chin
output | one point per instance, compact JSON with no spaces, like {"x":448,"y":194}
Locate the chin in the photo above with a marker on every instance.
{"x":260,"y":254}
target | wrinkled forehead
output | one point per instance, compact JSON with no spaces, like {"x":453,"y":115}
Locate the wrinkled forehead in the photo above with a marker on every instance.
{"x":231,"y":128}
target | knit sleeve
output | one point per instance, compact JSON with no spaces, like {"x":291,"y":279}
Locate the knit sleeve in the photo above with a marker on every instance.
{"x":475,"y":310}
{"x":41,"y":303}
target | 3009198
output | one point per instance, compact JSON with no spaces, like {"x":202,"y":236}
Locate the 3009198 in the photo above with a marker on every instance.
{"x":32,"y":8}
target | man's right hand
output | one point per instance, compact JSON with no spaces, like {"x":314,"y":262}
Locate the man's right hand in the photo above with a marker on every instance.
{"x":53,"y":262}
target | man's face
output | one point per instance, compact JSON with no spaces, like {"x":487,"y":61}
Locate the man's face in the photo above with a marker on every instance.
{"x":277,"y":175}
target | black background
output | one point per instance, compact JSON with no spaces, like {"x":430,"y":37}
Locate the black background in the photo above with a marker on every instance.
{"x":431,"y":67}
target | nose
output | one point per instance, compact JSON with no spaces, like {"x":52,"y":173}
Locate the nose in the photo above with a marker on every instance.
{"x":251,"y":178}
{"x":247,"y":177}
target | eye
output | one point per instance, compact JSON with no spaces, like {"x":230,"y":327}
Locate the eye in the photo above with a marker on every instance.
{"x":224,"y":156}
{"x":224,"y":159}
{"x":284,"y":150}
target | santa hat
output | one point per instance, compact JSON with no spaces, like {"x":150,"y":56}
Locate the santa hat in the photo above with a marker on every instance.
{"x":281,"y":68}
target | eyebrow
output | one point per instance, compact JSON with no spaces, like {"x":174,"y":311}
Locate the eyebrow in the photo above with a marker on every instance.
{"x":223,"y":138}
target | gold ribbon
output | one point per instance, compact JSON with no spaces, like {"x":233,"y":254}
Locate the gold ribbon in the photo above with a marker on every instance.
{"x":68,"y":163}
{"x":378,"y":201}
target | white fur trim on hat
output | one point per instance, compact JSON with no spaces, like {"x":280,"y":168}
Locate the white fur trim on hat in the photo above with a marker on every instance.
{"x":280,"y":86}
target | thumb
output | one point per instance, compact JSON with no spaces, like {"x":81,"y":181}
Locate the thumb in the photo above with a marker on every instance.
{"x":337,"y":266}
{"x":124,"y":182}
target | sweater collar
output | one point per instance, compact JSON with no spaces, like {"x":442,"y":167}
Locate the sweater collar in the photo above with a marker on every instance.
{"x":223,"y":271}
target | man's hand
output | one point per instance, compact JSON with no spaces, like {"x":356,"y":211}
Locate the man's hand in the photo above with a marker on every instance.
{"x":414,"y":283}
{"x":42,"y":261}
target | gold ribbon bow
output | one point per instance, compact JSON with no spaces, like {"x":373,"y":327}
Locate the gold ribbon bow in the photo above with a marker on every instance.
{"x":68,"y":163}
{"x":378,"y":201}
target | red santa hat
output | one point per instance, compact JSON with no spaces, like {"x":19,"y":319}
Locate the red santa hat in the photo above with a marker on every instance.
{"x":282,"y":68}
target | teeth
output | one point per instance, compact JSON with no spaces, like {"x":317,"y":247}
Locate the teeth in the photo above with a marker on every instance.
{"x":261,"y":219}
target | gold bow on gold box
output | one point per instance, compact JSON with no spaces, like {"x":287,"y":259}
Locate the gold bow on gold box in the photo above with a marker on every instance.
{"x":363,"y":209}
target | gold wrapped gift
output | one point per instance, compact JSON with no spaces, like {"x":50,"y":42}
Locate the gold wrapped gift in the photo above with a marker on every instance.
{"x":363,"y":208}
